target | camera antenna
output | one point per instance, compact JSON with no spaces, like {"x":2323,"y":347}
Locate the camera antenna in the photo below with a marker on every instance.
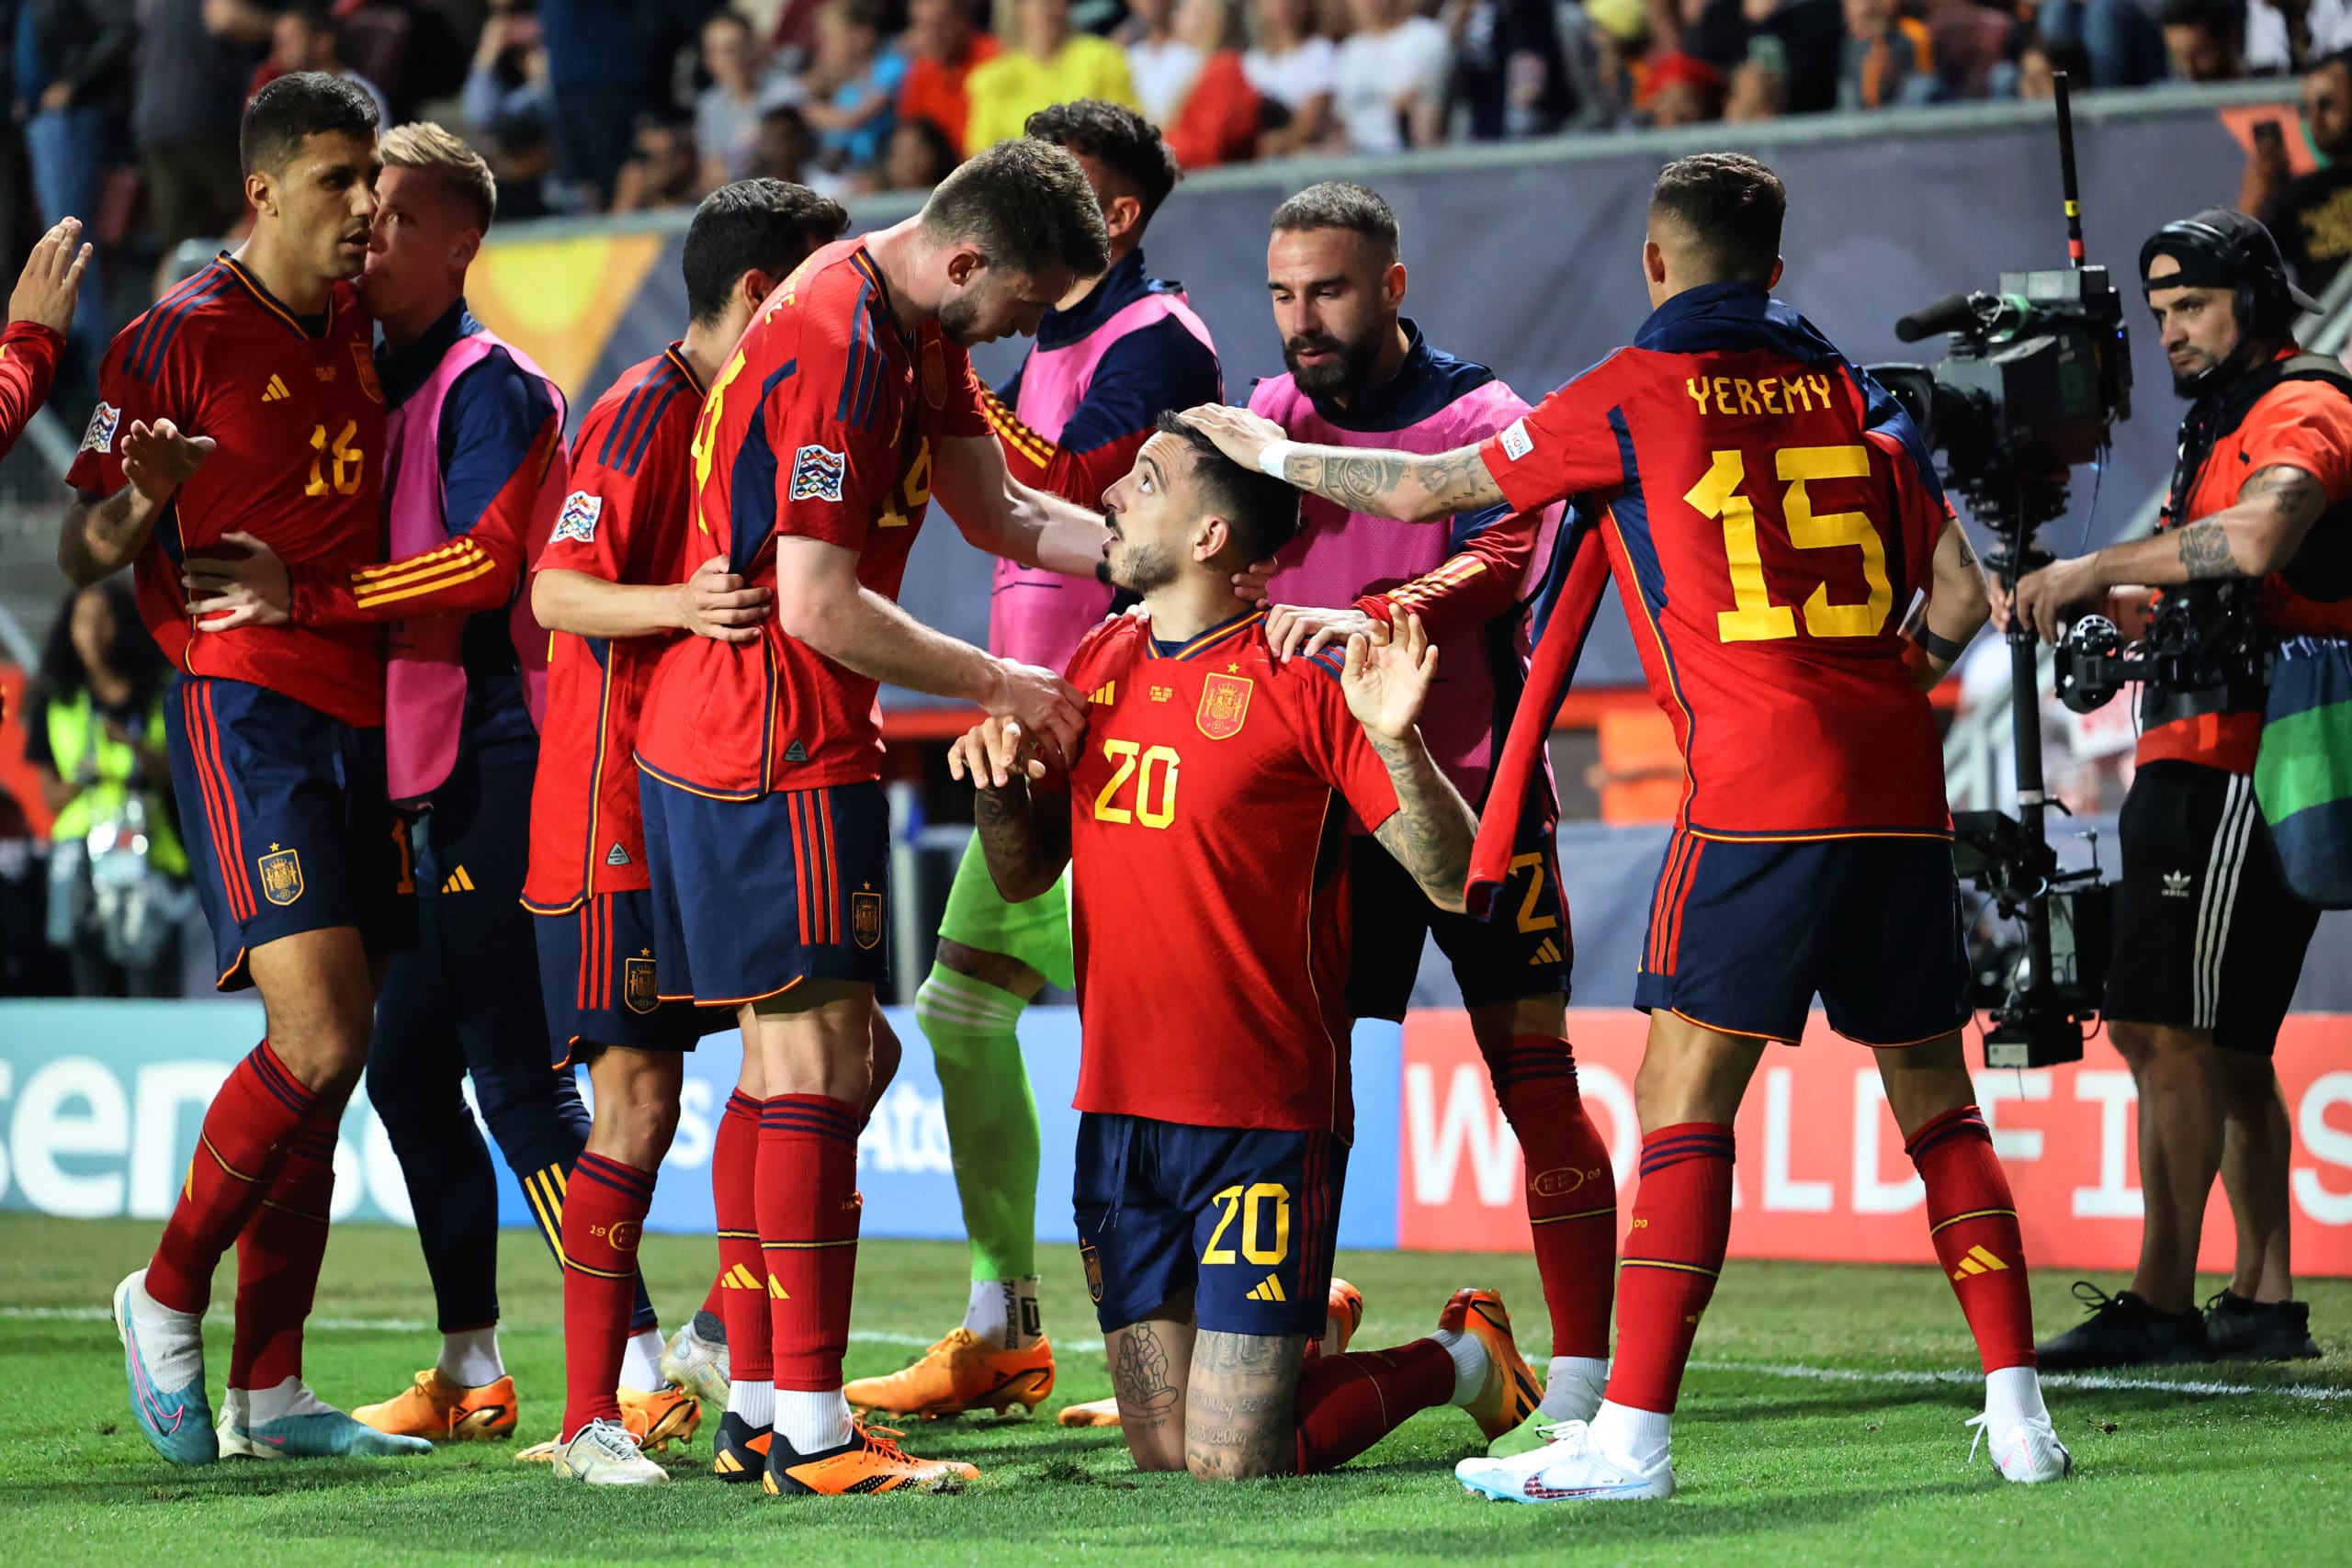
{"x":2066,"y":179}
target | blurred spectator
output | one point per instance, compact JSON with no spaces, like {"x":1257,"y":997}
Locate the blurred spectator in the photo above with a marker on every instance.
{"x":2204,"y":39}
{"x":943,"y":45}
{"x":2036,"y":62}
{"x":1811,"y":34}
{"x":508,"y":105}
{"x":188,"y":94}
{"x":853,"y":85}
{"x":786,"y":149}
{"x":597,"y":78}
{"x":303,"y":38}
{"x":1511,"y":74}
{"x":2310,"y":215}
{"x":1160,"y":65}
{"x":74,"y":65}
{"x":1888,"y":58}
{"x":1969,"y":43}
{"x":1681,"y":89}
{"x":1392,"y":73}
{"x":1217,"y":113}
{"x":727,"y":113}
{"x":1295,"y":72}
{"x":2119,"y":39}
{"x":1759,"y":85}
{"x":1046,"y":64}
{"x":662,"y":171}
{"x":920,"y":156}
{"x":93,"y":728}
{"x":2296,"y":36}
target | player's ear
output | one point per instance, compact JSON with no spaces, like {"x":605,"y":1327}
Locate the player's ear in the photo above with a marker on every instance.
{"x":1777,"y":265}
{"x":1122,"y":214}
{"x":1653,"y":261}
{"x":1213,"y":535}
{"x":261,"y":192}
{"x":755,"y":286}
{"x":468,"y":246}
{"x":1392,"y":285}
{"x":964,"y":263}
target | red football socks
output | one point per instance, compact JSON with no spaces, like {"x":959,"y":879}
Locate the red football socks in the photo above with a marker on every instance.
{"x":604,"y":1218}
{"x":711,"y":1303}
{"x":742,"y":1287}
{"x":809,"y":1214}
{"x":1673,"y":1253}
{"x":248,"y":1130}
{"x":1571,"y":1191}
{"x":1972,"y":1221}
{"x":279,"y":1253}
{"x":1348,"y":1402}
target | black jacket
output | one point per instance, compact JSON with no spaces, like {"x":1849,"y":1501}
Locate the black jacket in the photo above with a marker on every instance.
{"x":87,"y":43}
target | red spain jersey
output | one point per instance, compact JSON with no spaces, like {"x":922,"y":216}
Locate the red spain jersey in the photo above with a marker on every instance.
{"x":1766,"y":542}
{"x":821,"y":427}
{"x":299,"y":415}
{"x":624,"y":520}
{"x":1209,"y":892}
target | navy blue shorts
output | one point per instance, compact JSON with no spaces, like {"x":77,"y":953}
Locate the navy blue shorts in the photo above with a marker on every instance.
{"x":1523,"y":952}
{"x":598,"y":978}
{"x":752,"y":897}
{"x":1743,"y":935}
{"x":288,"y":828}
{"x":1244,"y":1218}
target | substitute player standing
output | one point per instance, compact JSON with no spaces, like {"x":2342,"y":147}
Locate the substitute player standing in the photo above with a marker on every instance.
{"x":1071,"y":421}
{"x":1769,"y":515}
{"x":847,"y":403}
{"x":1205,"y":830}
{"x":244,"y":402}
{"x":617,"y":582}
{"x":1362,"y":375}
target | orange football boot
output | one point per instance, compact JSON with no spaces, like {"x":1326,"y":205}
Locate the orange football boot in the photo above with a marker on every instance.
{"x":668,"y":1415}
{"x":1511,"y":1392}
{"x":961,"y":1373}
{"x":870,"y":1462}
{"x":442,"y":1411}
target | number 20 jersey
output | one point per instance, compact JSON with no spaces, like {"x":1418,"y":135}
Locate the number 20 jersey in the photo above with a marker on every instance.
{"x":1767,"y":545}
{"x":1208,"y":893}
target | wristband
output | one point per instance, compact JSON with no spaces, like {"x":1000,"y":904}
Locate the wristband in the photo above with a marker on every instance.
{"x":1276,"y":454}
{"x":1941,"y":647}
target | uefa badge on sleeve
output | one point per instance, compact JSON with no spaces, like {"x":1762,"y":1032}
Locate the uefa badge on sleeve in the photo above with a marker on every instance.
{"x":818,"y":473}
{"x":577,"y":521}
{"x":98,"y":436}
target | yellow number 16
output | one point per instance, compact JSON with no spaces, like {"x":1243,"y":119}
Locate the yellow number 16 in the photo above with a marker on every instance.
{"x":1757,"y":618}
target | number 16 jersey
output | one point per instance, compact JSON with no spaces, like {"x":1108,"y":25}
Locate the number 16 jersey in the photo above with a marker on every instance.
{"x":1768,"y":540}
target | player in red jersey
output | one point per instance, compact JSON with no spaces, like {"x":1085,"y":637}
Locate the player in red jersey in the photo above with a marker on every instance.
{"x":1770,"y":515}
{"x":247,"y":401}
{"x":616,"y":583}
{"x":1206,"y":829}
{"x":848,"y":401}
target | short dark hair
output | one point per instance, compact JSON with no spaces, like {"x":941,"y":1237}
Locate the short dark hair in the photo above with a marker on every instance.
{"x":1732,"y":207}
{"x":2223,"y":18}
{"x":753,"y":226}
{"x":1262,"y":509}
{"x":1026,"y":204}
{"x":296,"y":106}
{"x":1119,"y":138}
{"x":1341,"y":204}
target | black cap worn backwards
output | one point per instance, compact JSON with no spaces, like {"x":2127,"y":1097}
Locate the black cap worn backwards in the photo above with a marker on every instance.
{"x":2220,"y":248}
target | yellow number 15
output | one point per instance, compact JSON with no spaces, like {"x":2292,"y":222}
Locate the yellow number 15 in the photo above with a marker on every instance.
{"x":1757,"y":618}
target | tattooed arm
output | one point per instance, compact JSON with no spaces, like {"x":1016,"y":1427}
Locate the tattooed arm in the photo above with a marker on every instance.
{"x":1386,"y":679}
{"x":1241,"y":1408}
{"x":2254,"y":535}
{"x":1403,"y":485}
{"x":1955,"y":608}
{"x":1025,"y":832}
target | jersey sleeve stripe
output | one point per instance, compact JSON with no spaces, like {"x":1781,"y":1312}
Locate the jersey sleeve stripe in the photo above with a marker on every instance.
{"x":634,"y":429}
{"x":163,"y":326}
{"x":644,"y":441}
{"x":369,"y":598}
{"x":201,"y":282}
{"x":389,"y":572}
{"x":619,"y":423}
{"x":853,"y":363}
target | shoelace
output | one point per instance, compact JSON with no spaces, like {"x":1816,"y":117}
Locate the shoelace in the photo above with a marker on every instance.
{"x":2095,"y":1301}
{"x":612,"y":1440}
{"x":1982,"y":1422}
{"x":882,"y":1442}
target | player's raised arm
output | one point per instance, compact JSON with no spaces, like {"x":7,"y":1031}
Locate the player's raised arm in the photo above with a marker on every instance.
{"x":1025,"y":839}
{"x":1404,"y":485}
{"x":1956,"y":609}
{"x":103,"y":535}
{"x":999,"y":514}
{"x":1386,"y":680}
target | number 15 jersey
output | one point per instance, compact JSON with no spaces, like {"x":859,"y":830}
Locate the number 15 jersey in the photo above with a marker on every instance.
{"x":1208,"y":891}
{"x":1766,"y":542}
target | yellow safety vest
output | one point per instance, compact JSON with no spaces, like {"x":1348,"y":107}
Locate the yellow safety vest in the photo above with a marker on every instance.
{"x":75,"y":729}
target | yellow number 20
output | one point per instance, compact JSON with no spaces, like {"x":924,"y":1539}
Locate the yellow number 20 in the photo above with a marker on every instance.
{"x":1754,"y":617}
{"x":1155,"y":794}
{"x":1245,"y":1203}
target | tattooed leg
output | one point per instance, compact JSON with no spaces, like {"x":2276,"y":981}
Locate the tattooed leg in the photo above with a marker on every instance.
{"x":1150,"y":1362}
{"x":1240,"y":1411}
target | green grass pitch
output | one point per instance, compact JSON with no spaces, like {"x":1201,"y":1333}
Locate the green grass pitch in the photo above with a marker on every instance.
{"x":1809,"y":1433}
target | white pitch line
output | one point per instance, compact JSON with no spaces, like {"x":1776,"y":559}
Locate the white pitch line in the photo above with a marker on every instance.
{"x":2093,"y":1381}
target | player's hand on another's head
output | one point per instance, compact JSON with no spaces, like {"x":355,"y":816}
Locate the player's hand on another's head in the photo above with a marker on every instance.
{"x":715,"y":603}
{"x":157,"y":458}
{"x":249,"y":589}
{"x":51,"y":282}
{"x":1249,"y":583}
{"x":1238,"y":434}
{"x":1304,"y":629}
{"x":1052,"y":712}
{"x":1387,"y":676}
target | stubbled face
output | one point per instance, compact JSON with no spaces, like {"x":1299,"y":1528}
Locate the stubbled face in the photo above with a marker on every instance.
{"x":2198,"y":327}
{"x":1330,"y":306}
{"x":324,"y":201}
{"x":994,"y":302}
{"x":1155,"y":525}
{"x":420,"y":248}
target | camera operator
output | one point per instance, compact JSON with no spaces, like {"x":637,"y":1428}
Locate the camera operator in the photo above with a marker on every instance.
{"x":2209,"y":940}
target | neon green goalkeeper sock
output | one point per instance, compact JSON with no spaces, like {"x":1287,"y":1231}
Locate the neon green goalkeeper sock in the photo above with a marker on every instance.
{"x":991,"y":1116}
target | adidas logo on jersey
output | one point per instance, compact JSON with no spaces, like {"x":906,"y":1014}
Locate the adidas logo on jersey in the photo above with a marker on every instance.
{"x":276,"y":391}
{"x":1546,"y":951}
{"x":1979,"y":1261}
{"x":459,"y":881}
{"x":617,"y":855}
{"x":1105,"y":694}
{"x":2177,"y":883}
{"x":1269,"y":1288}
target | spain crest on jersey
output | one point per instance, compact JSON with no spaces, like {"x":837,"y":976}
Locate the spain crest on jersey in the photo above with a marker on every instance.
{"x":363,"y":358}
{"x":281,"y":876}
{"x":865,"y":918}
{"x":638,"y":989}
{"x":1225,"y":703}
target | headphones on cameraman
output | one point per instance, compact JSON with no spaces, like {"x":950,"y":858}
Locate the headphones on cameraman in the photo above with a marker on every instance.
{"x":2218,"y":248}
